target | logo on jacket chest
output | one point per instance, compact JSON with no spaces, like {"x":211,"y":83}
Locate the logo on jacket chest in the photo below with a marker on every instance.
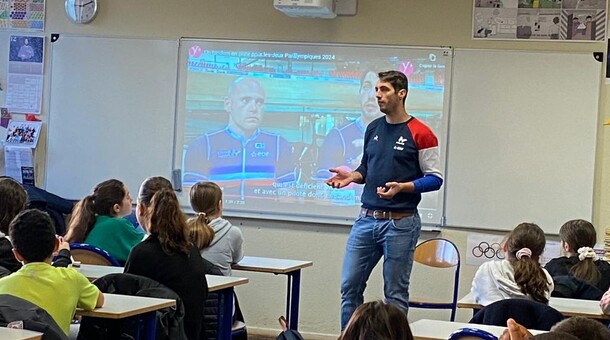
{"x":400,"y":143}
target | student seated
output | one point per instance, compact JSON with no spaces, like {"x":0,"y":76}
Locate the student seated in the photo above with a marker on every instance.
{"x":13,"y":198}
{"x":219,"y":241}
{"x":580,"y":263}
{"x":166,"y":255}
{"x":56,"y":290}
{"x":519,"y":274}
{"x":377,"y":320}
{"x":96,"y":220}
{"x":577,"y":326}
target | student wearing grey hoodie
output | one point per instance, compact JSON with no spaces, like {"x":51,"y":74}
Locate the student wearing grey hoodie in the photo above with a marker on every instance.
{"x":218,"y":240}
{"x":519,"y":275}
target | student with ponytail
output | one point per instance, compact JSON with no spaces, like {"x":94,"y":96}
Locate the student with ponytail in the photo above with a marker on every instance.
{"x":580,"y":262}
{"x":166,"y":255}
{"x":97,"y":220}
{"x":519,"y":274}
{"x":219,"y":241}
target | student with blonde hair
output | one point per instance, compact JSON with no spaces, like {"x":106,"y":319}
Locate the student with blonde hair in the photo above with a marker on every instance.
{"x":97,"y":220}
{"x":578,"y":238}
{"x":218,"y":240}
{"x":519,"y":274}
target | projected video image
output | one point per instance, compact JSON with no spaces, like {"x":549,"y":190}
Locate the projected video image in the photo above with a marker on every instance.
{"x":266,"y":121}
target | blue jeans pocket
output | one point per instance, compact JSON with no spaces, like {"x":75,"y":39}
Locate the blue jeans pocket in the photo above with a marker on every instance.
{"x":407,"y":223}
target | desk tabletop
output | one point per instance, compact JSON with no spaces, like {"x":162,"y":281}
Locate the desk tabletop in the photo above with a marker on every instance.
{"x":218,"y":282}
{"x":123,"y":306}
{"x":567,"y":307}
{"x":92,"y":272}
{"x":18,"y":334}
{"x":270,"y":265}
{"x":436,"y":329}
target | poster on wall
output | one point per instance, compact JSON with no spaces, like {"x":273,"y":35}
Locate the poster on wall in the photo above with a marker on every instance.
{"x":555,"y":20}
{"x":25,"y":74}
{"x":27,"y":15}
{"x":482,"y":247}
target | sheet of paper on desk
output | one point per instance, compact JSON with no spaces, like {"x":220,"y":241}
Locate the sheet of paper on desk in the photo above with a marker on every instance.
{"x":15,"y":158}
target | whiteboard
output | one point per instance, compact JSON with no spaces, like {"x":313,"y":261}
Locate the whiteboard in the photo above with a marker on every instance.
{"x":307,"y":93}
{"x":522,"y":138}
{"x":111,"y":112}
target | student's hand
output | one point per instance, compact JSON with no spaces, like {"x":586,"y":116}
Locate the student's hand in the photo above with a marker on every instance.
{"x":62,"y":244}
{"x":514,"y":331}
{"x":604,"y":303}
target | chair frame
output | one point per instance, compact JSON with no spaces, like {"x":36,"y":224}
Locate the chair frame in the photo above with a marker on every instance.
{"x":95,"y":251}
{"x":432,"y":263}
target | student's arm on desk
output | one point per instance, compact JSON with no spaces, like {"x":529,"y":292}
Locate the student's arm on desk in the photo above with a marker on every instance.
{"x":100,"y":299}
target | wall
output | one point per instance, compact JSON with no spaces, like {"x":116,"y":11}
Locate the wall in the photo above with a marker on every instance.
{"x":399,"y":22}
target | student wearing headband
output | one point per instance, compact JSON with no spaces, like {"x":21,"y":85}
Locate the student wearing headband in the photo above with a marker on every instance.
{"x":519,"y":274}
{"x":579,"y":263}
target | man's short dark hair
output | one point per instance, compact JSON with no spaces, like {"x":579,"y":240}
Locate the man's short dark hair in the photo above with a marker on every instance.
{"x":583,"y":328}
{"x":33,"y":235}
{"x":397,"y":79}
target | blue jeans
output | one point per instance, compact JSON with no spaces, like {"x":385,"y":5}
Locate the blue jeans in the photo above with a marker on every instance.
{"x":368,"y":240}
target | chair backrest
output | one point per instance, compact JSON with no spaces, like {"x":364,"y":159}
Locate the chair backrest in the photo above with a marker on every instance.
{"x":529,"y":313}
{"x":34,"y":318}
{"x":437,"y":252}
{"x":88,"y":254}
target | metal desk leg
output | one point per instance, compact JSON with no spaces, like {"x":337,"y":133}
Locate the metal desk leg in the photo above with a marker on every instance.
{"x":225,"y":313}
{"x":292,"y":299}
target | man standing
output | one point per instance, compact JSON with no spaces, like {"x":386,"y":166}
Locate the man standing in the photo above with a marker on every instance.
{"x":241,"y":157}
{"x":399,"y":162}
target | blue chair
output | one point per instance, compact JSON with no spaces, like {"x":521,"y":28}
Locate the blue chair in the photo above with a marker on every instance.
{"x":438,"y":253}
{"x":88,"y":254}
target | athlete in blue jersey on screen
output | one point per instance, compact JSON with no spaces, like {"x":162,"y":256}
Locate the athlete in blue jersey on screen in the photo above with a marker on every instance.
{"x":241,"y":158}
{"x":400,"y":161}
{"x":342,"y":147}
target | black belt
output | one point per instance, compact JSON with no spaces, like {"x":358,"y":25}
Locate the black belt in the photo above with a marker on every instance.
{"x":385,"y":215}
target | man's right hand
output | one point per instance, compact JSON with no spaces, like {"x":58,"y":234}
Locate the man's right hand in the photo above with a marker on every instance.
{"x":341,"y":179}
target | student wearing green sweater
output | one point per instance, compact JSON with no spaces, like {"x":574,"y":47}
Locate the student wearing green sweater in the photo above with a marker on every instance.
{"x":97,"y":220}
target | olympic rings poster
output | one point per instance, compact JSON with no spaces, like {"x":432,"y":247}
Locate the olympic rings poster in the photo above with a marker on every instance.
{"x":481,"y":248}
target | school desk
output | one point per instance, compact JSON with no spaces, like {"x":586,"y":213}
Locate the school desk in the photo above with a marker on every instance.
{"x":567,"y":307}
{"x":221,"y":284}
{"x":290,"y":268}
{"x":126,"y":306}
{"x":436,"y":329}
{"x":18,"y":334}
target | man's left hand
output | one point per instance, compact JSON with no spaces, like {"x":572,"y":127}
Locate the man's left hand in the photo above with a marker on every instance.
{"x":390,"y":189}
